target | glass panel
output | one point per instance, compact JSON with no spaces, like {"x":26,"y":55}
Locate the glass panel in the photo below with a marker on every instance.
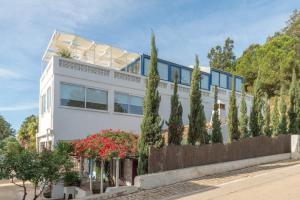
{"x":44,"y":104}
{"x":146,"y":66}
{"x":48,"y":98}
{"x":229,"y":82}
{"x":173,"y":71}
{"x":204,"y":81}
{"x":238,"y":84}
{"x":186,"y":76}
{"x":121,"y":102}
{"x":223,"y":80}
{"x":134,"y":67}
{"x":72,"y":95}
{"x":161,"y":67}
{"x":136,"y":105}
{"x":162,"y":70}
{"x":215,"y":78}
{"x":96,"y":99}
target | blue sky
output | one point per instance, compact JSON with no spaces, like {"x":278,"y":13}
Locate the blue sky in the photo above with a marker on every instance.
{"x":183,"y":28}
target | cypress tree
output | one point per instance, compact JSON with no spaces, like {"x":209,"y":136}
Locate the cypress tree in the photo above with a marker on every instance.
{"x":260,"y":116}
{"x":151,"y":123}
{"x":298,"y":108}
{"x":175,"y":125}
{"x":266,"y":127}
{"x":275,"y":118}
{"x":282,"y":127}
{"x":233,"y":128}
{"x":216,"y":134}
{"x":254,"y":115}
{"x":196,"y":120}
{"x":243,"y":118}
{"x":292,"y":112}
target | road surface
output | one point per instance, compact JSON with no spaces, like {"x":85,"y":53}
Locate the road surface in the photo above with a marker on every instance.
{"x":275,"y":181}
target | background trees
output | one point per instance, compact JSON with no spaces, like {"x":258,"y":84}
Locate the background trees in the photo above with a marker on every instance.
{"x":275,"y":118}
{"x":222,"y":57}
{"x":282,"y":127}
{"x":175,"y":125}
{"x":151,"y":123}
{"x":292,"y":112}
{"x":27,"y":132}
{"x":5,"y":129}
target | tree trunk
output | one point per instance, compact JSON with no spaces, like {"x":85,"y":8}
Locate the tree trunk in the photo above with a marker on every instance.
{"x":25,"y":191}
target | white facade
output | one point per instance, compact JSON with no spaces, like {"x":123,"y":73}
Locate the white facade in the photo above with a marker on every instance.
{"x":59,"y":122}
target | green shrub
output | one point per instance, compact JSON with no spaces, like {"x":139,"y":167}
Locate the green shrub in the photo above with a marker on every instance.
{"x":71,"y":179}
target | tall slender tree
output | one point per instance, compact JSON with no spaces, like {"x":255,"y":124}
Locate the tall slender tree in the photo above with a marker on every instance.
{"x":275,"y":118}
{"x":282,"y":128}
{"x":292,"y":112}
{"x":196,"y":120}
{"x":216,"y":134}
{"x":298,"y":108}
{"x":243,"y":118}
{"x":151,"y":123}
{"x":267,"y":131}
{"x":233,"y":122}
{"x":255,"y":129}
{"x":175,"y":125}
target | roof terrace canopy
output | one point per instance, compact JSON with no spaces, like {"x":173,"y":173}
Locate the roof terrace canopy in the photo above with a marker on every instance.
{"x":88,"y":51}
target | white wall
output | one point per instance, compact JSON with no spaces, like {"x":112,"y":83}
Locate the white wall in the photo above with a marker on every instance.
{"x":74,"y":123}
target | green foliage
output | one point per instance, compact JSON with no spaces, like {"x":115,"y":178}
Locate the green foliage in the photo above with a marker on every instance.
{"x":233,"y":128}
{"x":260,"y":116}
{"x":151,"y":123}
{"x":222,"y":57}
{"x":42,"y":169}
{"x":175,"y":125}
{"x":27,"y":133}
{"x":197,"y":121}
{"x":267,"y":131}
{"x":5,"y":129}
{"x":298,"y":108}
{"x":216,"y":135}
{"x":243,"y":117}
{"x":255,"y":115}
{"x":276,"y":59}
{"x":65,"y":53}
{"x":275,"y":118}
{"x":292,"y":112}
{"x":282,"y":128}
{"x":71,"y":178}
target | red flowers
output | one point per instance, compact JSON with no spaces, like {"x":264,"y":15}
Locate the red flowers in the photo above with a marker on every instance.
{"x":106,"y":145}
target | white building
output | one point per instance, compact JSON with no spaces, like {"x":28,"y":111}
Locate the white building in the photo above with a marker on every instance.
{"x":102,"y":87}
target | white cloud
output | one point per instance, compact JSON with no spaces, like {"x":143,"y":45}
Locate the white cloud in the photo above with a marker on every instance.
{"x":19,"y":107}
{"x":8,"y":74}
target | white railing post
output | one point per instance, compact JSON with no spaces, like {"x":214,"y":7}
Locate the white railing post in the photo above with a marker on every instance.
{"x":117,"y":171}
{"x":101,"y":176}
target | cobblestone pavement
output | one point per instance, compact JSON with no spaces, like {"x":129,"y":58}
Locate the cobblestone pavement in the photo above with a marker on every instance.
{"x":203,"y":184}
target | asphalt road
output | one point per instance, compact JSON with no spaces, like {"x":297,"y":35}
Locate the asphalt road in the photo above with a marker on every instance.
{"x":275,"y":184}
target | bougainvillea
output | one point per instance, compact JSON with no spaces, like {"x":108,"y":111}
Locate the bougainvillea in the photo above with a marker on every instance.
{"x":107,"y":144}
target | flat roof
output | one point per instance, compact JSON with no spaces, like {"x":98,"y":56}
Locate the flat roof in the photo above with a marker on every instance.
{"x":88,"y":51}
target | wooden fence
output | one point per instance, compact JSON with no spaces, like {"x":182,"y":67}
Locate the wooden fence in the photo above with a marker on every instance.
{"x":176,"y":157}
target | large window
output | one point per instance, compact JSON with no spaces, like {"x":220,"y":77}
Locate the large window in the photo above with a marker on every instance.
{"x":82,"y":97}
{"x":126,"y":103}
{"x":175,"y":70}
{"x":204,"y":81}
{"x":48,"y":98}
{"x":72,"y":95}
{"x":121,"y":102}
{"x":161,"y":68}
{"x":238,"y":84}
{"x":43,"y":104}
{"x":186,"y":76}
{"x":223,"y":80}
{"x":229,"y":82}
{"x":136,"y":105}
{"x":96,"y":99}
{"x":215,"y":78}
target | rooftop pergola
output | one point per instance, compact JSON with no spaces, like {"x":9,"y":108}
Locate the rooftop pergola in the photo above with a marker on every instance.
{"x":88,"y":51}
